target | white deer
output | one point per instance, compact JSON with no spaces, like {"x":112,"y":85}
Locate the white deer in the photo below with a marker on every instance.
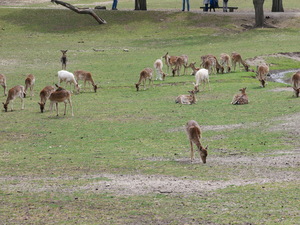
{"x":201,"y":77}
{"x":158,"y":65}
{"x":69,"y":78}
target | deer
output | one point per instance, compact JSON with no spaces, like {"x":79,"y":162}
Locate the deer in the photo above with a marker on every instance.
{"x":241,"y":98}
{"x":86,"y":77}
{"x":178,"y":65}
{"x":60,"y":95}
{"x":187,"y":99}
{"x":29,"y":83}
{"x":236,"y":58}
{"x":185,"y":59}
{"x":3,"y":82}
{"x":145,"y":74}
{"x":225,"y":62}
{"x":63,"y":59}
{"x":194,"y":134}
{"x":13,"y":93}
{"x":44,"y":96}
{"x":158,"y":65}
{"x":261,"y":74}
{"x":192,"y":66}
{"x":296,"y":83}
{"x":68,"y":77}
{"x":211,"y":63}
{"x":169,"y":60}
{"x":201,"y":76}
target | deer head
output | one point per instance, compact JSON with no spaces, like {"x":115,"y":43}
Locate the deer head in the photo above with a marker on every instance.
{"x":203,"y":153}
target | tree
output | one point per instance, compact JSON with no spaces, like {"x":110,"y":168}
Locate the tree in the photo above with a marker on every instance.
{"x":259,"y":12}
{"x":277,"y":6}
{"x":140,"y":5}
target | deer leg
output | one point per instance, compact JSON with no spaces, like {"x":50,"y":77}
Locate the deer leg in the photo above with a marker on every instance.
{"x":192,"y":151}
{"x":56,"y":108}
{"x":22,"y":101}
{"x":70,"y":102}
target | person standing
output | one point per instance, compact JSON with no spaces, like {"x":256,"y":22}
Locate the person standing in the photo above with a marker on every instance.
{"x":187,"y":5}
{"x":114,"y":5}
{"x":206,"y":2}
{"x":212,"y":5}
{"x":225,"y":2}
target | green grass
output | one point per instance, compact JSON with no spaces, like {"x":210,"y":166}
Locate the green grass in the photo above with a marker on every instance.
{"x":120,"y":131}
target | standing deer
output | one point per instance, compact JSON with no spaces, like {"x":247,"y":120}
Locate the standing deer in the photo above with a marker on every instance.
{"x":240,"y":99}
{"x":86,"y":77}
{"x":29,"y":83}
{"x":194,"y":134}
{"x":261,"y":74}
{"x":61,"y":95}
{"x":296,"y":83}
{"x":158,"y":65}
{"x":13,"y":93}
{"x":192,"y":66}
{"x":225,"y":62}
{"x":63,"y":59}
{"x":169,"y":61}
{"x":3,"y":83}
{"x":178,"y":65}
{"x":201,"y":76}
{"x":236,"y":58}
{"x":44,"y":95}
{"x":145,"y":74}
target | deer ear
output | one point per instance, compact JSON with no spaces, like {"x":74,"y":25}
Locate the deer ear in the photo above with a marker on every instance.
{"x":206,"y":147}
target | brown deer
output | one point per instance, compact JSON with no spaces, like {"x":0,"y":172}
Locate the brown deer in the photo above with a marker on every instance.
{"x":3,"y":83}
{"x":261,"y":74}
{"x":185,"y":59}
{"x":241,"y":98}
{"x":225,"y":62}
{"x":187,"y":99}
{"x":178,"y":65}
{"x":194,"y":134}
{"x":210,"y":62}
{"x":192,"y":66}
{"x":296,"y":83}
{"x":86,"y":77}
{"x":236,"y":58}
{"x":63,"y":59}
{"x":13,"y":93}
{"x":169,"y":61}
{"x":60,"y":95}
{"x":29,"y":83}
{"x":145,"y":74}
{"x":44,"y":95}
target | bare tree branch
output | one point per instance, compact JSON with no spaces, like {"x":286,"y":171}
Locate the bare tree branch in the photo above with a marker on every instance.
{"x":80,"y":10}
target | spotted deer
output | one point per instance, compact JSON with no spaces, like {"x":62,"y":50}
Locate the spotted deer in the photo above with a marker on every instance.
{"x":187,"y":99}
{"x":225,"y":62}
{"x":241,"y":98}
{"x":169,"y":61}
{"x":86,"y":77}
{"x":194,"y":134}
{"x":192,"y":66}
{"x":60,"y":95}
{"x":236,"y":58}
{"x":13,"y":93}
{"x":44,"y":96}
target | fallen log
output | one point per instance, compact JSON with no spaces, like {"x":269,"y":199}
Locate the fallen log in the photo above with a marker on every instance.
{"x":80,"y":10}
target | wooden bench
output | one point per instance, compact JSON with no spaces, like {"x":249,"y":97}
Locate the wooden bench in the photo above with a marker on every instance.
{"x":230,"y":8}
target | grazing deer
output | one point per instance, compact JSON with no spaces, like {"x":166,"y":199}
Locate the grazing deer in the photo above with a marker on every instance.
{"x":13,"y":93}
{"x":187,"y":99}
{"x":63,"y":59}
{"x":3,"y":83}
{"x":261,"y":74}
{"x":44,"y":95}
{"x":145,"y":74}
{"x":225,"y":62}
{"x":236,"y":58}
{"x":178,"y":65}
{"x":211,"y":63}
{"x":194,"y":134}
{"x":60,"y":95}
{"x":240,"y":99}
{"x":296,"y":83}
{"x":169,"y":61}
{"x":29,"y":83}
{"x":68,"y":77}
{"x":201,"y":76}
{"x":158,"y":65}
{"x":86,"y":77}
{"x":192,"y":66}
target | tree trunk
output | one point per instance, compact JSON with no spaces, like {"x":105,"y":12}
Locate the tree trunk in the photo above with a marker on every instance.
{"x":259,"y":12}
{"x":277,"y":6}
{"x":140,"y":5}
{"x":80,"y":10}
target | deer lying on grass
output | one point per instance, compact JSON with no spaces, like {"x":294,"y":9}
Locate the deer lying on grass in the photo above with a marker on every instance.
{"x":194,"y":134}
{"x":261,"y":74}
{"x":29,"y":83}
{"x":68,"y":77}
{"x":201,"y":77}
{"x":225,"y":62}
{"x":169,"y":61}
{"x":236,"y":58}
{"x":145,"y":74}
{"x":192,"y":66}
{"x":158,"y":65}
{"x":63,"y":59}
{"x":3,"y":83}
{"x":44,"y":95}
{"x":240,"y":99}
{"x":187,"y":99}
{"x":296,"y":83}
{"x":86,"y":77}
{"x":60,"y":95}
{"x":13,"y":93}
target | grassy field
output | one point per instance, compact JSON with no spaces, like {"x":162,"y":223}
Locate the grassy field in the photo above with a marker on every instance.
{"x":124,"y":157}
